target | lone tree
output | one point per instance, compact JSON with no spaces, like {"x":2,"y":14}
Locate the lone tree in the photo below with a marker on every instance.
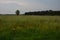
{"x":17,"y":12}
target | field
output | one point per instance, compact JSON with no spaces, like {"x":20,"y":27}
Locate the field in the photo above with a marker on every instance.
{"x":29,"y":27}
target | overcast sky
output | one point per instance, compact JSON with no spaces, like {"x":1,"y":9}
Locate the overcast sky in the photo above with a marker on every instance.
{"x":10,"y":6}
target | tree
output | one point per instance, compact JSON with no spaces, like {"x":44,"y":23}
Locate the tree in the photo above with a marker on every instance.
{"x":17,"y":12}
{"x":50,"y":12}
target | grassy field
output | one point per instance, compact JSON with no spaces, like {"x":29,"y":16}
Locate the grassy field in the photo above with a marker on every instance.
{"x":29,"y":27}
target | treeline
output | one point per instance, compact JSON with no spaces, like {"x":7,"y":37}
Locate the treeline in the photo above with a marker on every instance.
{"x":49,"y":12}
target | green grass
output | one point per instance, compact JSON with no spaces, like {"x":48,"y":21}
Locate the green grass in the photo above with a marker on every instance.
{"x":29,"y":27}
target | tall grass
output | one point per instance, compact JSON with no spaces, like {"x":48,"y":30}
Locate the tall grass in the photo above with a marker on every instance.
{"x":29,"y":27}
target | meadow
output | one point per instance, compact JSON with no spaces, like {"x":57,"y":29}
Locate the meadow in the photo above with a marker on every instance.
{"x":29,"y":27}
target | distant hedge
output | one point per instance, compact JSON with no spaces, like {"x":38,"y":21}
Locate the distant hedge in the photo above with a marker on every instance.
{"x":49,"y":12}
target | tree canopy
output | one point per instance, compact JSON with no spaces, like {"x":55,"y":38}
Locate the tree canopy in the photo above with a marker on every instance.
{"x":17,"y":12}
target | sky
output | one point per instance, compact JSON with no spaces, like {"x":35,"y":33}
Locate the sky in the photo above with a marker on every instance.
{"x":10,"y":6}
